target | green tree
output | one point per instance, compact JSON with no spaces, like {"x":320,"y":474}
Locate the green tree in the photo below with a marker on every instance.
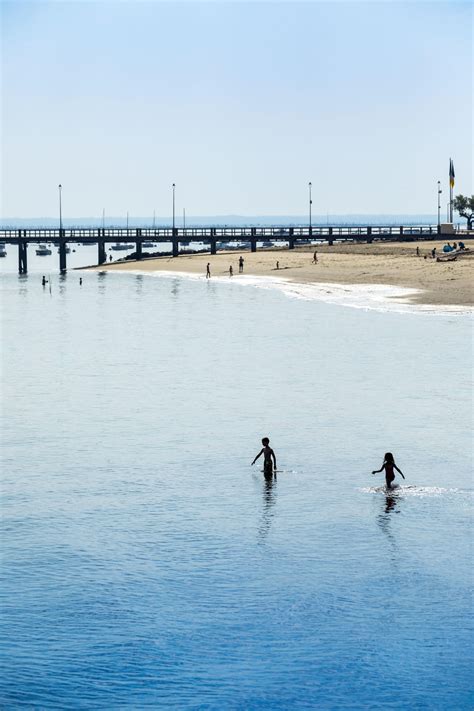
{"x":464,"y":206}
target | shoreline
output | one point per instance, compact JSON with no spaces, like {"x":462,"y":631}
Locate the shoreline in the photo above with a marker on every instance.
{"x":366,"y":275}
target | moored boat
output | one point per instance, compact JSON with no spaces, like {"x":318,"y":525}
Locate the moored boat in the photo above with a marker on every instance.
{"x":121,"y":246}
{"x":42,"y":250}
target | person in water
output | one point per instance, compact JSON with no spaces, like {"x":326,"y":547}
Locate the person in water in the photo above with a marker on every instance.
{"x":269,"y":459}
{"x":389,"y":465}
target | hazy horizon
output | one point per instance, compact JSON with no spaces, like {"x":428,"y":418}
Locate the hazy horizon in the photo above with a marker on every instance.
{"x":160,"y":221}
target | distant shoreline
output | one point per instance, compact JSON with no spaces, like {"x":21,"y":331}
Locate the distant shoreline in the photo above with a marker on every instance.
{"x":394,"y":264}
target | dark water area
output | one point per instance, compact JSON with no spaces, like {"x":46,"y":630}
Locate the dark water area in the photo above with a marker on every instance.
{"x":145,"y":563}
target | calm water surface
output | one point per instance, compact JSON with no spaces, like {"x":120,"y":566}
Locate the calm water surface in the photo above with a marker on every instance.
{"x":145,"y":563}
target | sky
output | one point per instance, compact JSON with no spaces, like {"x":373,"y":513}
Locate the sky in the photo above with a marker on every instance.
{"x":240,"y":104}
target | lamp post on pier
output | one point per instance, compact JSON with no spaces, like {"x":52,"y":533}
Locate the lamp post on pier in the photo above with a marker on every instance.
{"x":184,"y":218}
{"x":174,"y":187}
{"x":439,"y":204}
{"x":60,"y":187}
{"x":310,"y":204}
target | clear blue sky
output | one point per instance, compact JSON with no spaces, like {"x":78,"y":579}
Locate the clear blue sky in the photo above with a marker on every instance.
{"x":240,"y":104}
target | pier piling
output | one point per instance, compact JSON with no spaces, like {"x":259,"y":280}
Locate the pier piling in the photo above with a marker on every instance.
{"x":175,"y":242}
{"x":102,"y":255}
{"x":138,"y":244}
{"x":22,"y":256}
{"x":62,"y":255}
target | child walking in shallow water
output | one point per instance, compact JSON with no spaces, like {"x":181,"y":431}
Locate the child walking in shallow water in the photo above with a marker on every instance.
{"x":269,"y":466}
{"x":389,"y":465}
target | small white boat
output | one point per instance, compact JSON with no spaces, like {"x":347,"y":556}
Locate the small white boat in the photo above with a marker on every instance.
{"x":147,"y":245}
{"x":42,"y":250}
{"x":121,"y":246}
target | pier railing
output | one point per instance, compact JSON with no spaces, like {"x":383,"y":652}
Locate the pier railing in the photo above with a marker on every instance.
{"x":77,"y":234}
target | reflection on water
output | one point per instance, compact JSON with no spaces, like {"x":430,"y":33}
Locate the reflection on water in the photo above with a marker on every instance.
{"x":269,"y":500}
{"x":175,"y":287}
{"x":384,"y":520}
{"x":138,"y":283}
{"x":390,"y":502}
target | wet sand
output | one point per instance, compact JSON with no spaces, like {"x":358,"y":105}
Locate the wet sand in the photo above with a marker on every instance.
{"x":391,"y":264}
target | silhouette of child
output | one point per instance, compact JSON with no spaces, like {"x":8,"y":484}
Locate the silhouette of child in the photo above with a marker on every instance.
{"x":268,"y":454}
{"x":389,"y":465}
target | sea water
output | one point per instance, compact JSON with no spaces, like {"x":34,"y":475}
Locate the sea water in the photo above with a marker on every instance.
{"x":145,"y":563}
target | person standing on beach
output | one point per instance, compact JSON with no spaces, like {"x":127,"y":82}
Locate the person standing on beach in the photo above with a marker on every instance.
{"x":269,"y":459}
{"x":208,"y":270}
{"x":388,"y":465}
{"x":241,"y":265}
{"x":231,"y":271}
{"x":315,"y":257}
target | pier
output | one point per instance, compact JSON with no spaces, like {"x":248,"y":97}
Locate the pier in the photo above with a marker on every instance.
{"x":215,"y":238}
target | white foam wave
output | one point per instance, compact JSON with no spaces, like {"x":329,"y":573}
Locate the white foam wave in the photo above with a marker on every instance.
{"x":374,"y":297}
{"x":413,"y":490}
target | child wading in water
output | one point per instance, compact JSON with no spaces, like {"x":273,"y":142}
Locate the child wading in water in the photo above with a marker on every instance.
{"x":389,"y":465}
{"x":269,"y":466}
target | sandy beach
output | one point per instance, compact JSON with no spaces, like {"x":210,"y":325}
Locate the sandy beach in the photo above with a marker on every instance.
{"x":391,"y":264}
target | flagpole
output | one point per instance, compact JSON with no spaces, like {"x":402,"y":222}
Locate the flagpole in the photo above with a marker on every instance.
{"x":451,"y":185}
{"x":451,"y":205}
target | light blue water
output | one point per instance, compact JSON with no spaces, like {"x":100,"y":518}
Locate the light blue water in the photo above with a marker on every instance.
{"x":145,"y":563}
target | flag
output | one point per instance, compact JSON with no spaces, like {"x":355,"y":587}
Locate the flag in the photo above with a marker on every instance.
{"x":451,"y":173}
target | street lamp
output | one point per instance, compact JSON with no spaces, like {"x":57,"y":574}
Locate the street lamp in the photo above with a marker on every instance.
{"x":184,"y":218}
{"x":127,"y":222}
{"x":103,"y":218}
{"x":60,"y":187}
{"x":310,"y":203}
{"x":439,"y":203}
{"x":174,"y":186}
